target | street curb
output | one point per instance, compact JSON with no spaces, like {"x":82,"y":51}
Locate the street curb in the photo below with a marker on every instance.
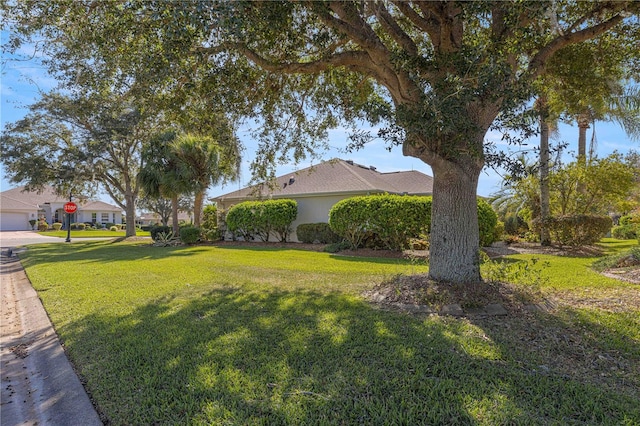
{"x":39,"y":386}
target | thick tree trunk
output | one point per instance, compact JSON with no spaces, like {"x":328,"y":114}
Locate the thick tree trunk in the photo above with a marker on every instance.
{"x":130,"y":214}
{"x":545,"y":211}
{"x":174,"y":213}
{"x":455,"y":240}
{"x":197,"y":208}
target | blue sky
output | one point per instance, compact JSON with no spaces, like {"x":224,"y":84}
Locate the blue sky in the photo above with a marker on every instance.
{"x":23,"y":80}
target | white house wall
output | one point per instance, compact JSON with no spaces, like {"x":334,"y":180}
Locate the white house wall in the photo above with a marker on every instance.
{"x":314,"y":210}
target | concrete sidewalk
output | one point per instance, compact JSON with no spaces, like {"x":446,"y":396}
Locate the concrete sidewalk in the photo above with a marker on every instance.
{"x":39,"y":386}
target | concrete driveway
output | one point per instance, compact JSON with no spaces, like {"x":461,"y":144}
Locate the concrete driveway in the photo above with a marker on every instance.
{"x":22,"y":238}
{"x":15,"y":239}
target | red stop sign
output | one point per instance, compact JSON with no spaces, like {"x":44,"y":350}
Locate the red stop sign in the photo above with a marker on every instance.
{"x":70,"y":207}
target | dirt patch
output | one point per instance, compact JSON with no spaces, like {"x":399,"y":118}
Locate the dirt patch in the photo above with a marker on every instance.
{"x":502,"y":249}
{"x":419,"y":290}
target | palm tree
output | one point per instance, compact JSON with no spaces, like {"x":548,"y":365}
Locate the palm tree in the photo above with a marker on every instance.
{"x":160,"y":175}
{"x":202,"y":162}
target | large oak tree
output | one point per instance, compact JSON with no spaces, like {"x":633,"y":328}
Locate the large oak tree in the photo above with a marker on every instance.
{"x":435,"y":75}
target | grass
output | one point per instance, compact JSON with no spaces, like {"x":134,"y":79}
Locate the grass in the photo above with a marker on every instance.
{"x":91,"y":233}
{"x":266,"y":336}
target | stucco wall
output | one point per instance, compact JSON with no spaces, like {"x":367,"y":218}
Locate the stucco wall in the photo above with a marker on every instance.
{"x":310,"y":210}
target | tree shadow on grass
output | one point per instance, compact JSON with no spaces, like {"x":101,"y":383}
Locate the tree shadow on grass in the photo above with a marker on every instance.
{"x":238,"y":357}
{"x":103,"y":252}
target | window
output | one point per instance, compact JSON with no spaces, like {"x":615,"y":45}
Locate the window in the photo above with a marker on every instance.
{"x":105,"y":217}
{"x":113,"y":216}
{"x":94,"y":217}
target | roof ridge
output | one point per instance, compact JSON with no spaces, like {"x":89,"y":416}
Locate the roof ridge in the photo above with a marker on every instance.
{"x":346,"y":165}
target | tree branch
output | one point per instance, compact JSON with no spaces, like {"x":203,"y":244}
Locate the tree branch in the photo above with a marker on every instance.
{"x":392,"y":27}
{"x":430,"y":26}
{"x":538,"y":62}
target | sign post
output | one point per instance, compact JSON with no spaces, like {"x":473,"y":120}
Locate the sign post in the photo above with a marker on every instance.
{"x":69,"y":208}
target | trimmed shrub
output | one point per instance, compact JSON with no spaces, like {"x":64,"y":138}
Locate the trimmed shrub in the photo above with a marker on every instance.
{"x":81,"y":226}
{"x":145,"y":228}
{"x":113,"y":228}
{"x":388,"y":221}
{"x":576,"y":230}
{"x":278,"y":215}
{"x":43,"y":225}
{"x":190,"y":234}
{"x":391,"y":221}
{"x":155,"y":230}
{"x":312,"y":232}
{"x":487,"y":222}
{"x":251,"y":219}
{"x":57,"y":226}
{"x":209,"y":225}
{"x":624,"y":232}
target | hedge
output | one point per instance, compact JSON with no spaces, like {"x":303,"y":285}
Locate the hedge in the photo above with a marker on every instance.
{"x":261,"y":219}
{"x":190,"y":234}
{"x":487,"y":223}
{"x":576,"y":230}
{"x":312,"y":232}
{"x":390,"y":219}
{"x":623,"y":232}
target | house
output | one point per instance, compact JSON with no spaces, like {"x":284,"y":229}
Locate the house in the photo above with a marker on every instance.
{"x":18,"y":207}
{"x":152,"y":218}
{"x":316,"y":189}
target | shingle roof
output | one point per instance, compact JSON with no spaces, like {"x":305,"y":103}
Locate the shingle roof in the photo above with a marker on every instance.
{"x":338,"y":177}
{"x":9,"y":203}
{"x":99,"y":206}
{"x":48,"y":195}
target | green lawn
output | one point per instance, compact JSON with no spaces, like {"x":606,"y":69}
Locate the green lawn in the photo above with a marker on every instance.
{"x":267,"y":336}
{"x":91,"y":233}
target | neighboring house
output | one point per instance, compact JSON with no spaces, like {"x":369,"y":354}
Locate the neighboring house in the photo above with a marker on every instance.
{"x":150,"y":218}
{"x":18,"y":207}
{"x":316,"y":189}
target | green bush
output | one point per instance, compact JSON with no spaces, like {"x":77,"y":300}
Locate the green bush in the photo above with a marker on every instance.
{"x":487,"y":222}
{"x":312,"y":232}
{"x":190,"y":234}
{"x":146,"y":228}
{"x":209,"y":224}
{"x":386,"y":220}
{"x":156,"y":230}
{"x":515,"y":225}
{"x":576,"y":230}
{"x":624,"y":232}
{"x":79,"y":226}
{"x":43,"y":225}
{"x":57,"y":226}
{"x":391,"y":221}
{"x":113,"y":228}
{"x":629,"y":219}
{"x":252,"y":219}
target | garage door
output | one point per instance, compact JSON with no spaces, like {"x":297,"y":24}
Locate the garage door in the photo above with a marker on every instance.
{"x":14,"y":221}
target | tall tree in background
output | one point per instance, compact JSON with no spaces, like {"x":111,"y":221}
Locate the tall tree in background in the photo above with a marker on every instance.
{"x":98,"y":138}
{"x":435,"y":75}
